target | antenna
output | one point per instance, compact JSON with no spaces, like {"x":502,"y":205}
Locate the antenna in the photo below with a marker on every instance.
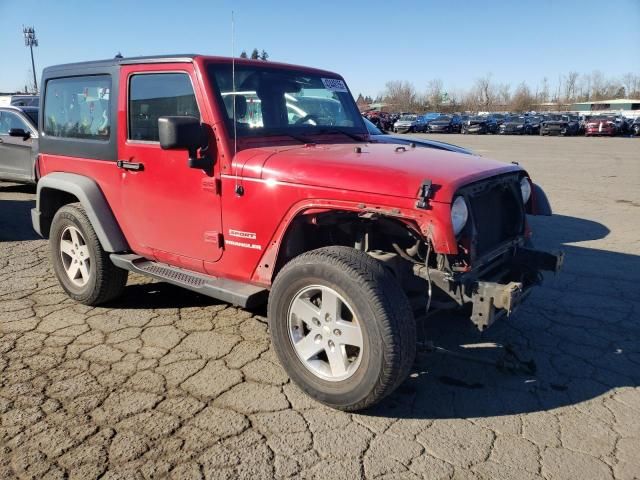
{"x":238,"y":188}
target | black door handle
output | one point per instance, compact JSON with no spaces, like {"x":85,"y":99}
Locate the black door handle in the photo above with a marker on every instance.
{"x":135,"y":166}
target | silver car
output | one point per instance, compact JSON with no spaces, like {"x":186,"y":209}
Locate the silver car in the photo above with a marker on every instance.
{"x":18,"y":144}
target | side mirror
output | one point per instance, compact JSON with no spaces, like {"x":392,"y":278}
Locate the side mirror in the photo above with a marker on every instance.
{"x":19,"y":132}
{"x":179,"y":133}
{"x":184,"y":133}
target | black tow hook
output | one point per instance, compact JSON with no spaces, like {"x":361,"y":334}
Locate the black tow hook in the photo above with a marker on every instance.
{"x":509,"y":362}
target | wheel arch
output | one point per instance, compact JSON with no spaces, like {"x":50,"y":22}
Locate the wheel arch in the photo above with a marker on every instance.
{"x":58,"y":189}
{"x":291,"y":239}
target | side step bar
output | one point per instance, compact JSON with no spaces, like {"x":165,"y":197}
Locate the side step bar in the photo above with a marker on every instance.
{"x":238,"y":293}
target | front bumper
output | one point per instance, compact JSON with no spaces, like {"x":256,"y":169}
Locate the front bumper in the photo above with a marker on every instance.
{"x":496,"y":289}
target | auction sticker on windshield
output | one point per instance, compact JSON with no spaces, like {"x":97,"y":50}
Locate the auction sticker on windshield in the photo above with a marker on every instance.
{"x":334,"y":84}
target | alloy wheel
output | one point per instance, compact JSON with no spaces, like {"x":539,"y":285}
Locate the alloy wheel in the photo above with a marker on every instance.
{"x":75,"y":256}
{"x":325,"y":333}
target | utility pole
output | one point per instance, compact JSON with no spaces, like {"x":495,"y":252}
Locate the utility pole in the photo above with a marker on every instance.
{"x":31,"y":41}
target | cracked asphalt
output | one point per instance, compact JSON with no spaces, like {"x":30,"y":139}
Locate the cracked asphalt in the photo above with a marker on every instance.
{"x":166,"y":383}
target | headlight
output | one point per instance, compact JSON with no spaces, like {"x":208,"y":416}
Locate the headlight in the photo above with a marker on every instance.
{"x":459,"y":214}
{"x":525,"y":188}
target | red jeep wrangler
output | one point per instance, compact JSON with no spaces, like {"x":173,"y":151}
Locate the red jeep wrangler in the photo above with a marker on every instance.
{"x":251,"y":181}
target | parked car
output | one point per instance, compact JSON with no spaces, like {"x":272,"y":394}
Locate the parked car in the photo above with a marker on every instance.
{"x":382,"y":120}
{"x":19,"y":100}
{"x":514,"y":125}
{"x":556,"y":124}
{"x":498,"y":117}
{"x":410,"y":124}
{"x":601,"y":125}
{"x":533,"y":124}
{"x":622,"y":125}
{"x":480,"y":124}
{"x":379,"y":136}
{"x":18,"y":144}
{"x":634,"y":127}
{"x":341,"y":235}
{"x":445,"y":124}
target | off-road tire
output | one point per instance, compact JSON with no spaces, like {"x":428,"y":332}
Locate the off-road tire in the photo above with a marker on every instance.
{"x":106,"y":281}
{"x":382,"y":309}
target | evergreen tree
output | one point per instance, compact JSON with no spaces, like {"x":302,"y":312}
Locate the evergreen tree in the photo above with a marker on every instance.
{"x":255,"y":55}
{"x":243,"y":54}
{"x":264,"y":55}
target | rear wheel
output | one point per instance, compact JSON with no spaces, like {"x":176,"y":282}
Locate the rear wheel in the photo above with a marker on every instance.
{"x":342,"y":327}
{"x":82,"y":267}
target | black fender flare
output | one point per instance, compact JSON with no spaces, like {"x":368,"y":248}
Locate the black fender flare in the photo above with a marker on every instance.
{"x":90,"y":197}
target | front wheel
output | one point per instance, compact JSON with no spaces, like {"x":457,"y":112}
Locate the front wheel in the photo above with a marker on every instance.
{"x":82,"y":267}
{"x":342,"y":327}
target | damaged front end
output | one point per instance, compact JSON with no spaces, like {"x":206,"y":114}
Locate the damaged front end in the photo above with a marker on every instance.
{"x":496,"y":291}
{"x":495,"y":268}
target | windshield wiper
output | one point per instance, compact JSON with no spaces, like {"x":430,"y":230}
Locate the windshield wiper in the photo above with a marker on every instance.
{"x":295,"y":137}
{"x":353,"y":136}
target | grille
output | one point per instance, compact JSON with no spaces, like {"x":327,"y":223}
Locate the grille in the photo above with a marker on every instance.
{"x":498,"y":215}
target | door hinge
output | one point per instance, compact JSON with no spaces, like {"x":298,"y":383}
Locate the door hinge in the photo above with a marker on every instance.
{"x":214,"y":237}
{"x":211,"y":185}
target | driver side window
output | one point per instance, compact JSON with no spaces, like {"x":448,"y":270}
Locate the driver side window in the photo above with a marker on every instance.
{"x":9,"y":120}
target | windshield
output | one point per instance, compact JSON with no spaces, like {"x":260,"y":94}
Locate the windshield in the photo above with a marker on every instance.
{"x":278,"y":101}
{"x":408,"y":118}
{"x":516,"y":119}
{"x":443,"y":118}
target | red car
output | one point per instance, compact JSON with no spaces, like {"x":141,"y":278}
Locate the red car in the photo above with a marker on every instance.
{"x":602,"y":125}
{"x":254,"y":181}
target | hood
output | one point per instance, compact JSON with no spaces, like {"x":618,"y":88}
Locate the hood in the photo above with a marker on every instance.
{"x":442,"y":123}
{"x":378,"y":169}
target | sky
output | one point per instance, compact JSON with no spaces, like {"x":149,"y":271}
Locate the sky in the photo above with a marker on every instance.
{"x":368,"y":42}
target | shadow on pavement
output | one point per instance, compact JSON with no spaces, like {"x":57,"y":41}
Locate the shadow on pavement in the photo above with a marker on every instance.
{"x":579,"y":328}
{"x":15,"y":220}
{"x":159,"y":295}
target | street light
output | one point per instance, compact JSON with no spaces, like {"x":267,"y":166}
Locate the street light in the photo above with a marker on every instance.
{"x":31,"y":41}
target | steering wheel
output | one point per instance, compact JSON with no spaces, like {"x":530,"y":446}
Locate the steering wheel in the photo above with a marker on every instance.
{"x":306,"y":118}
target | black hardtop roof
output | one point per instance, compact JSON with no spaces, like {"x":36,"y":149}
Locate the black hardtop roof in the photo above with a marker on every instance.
{"x":67,"y":68}
{"x":110,"y":62}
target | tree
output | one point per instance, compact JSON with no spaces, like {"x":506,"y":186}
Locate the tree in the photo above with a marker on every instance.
{"x":597,"y":85}
{"x":504,"y":93}
{"x":244,"y":54}
{"x":544,"y":93}
{"x":631,"y":82}
{"x":401,"y":95}
{"x":255,"y":55}
{"x":522,"y":98}
{"x":264,"y":55}
{"x":434,"y":94}
{"x":483,"y":93}
{"x":570,"y":85}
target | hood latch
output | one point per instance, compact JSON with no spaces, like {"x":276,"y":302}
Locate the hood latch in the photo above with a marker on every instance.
{"x":423,"y":194}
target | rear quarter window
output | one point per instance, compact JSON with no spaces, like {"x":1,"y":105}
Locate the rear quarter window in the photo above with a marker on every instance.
{"x":78,"y":107}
